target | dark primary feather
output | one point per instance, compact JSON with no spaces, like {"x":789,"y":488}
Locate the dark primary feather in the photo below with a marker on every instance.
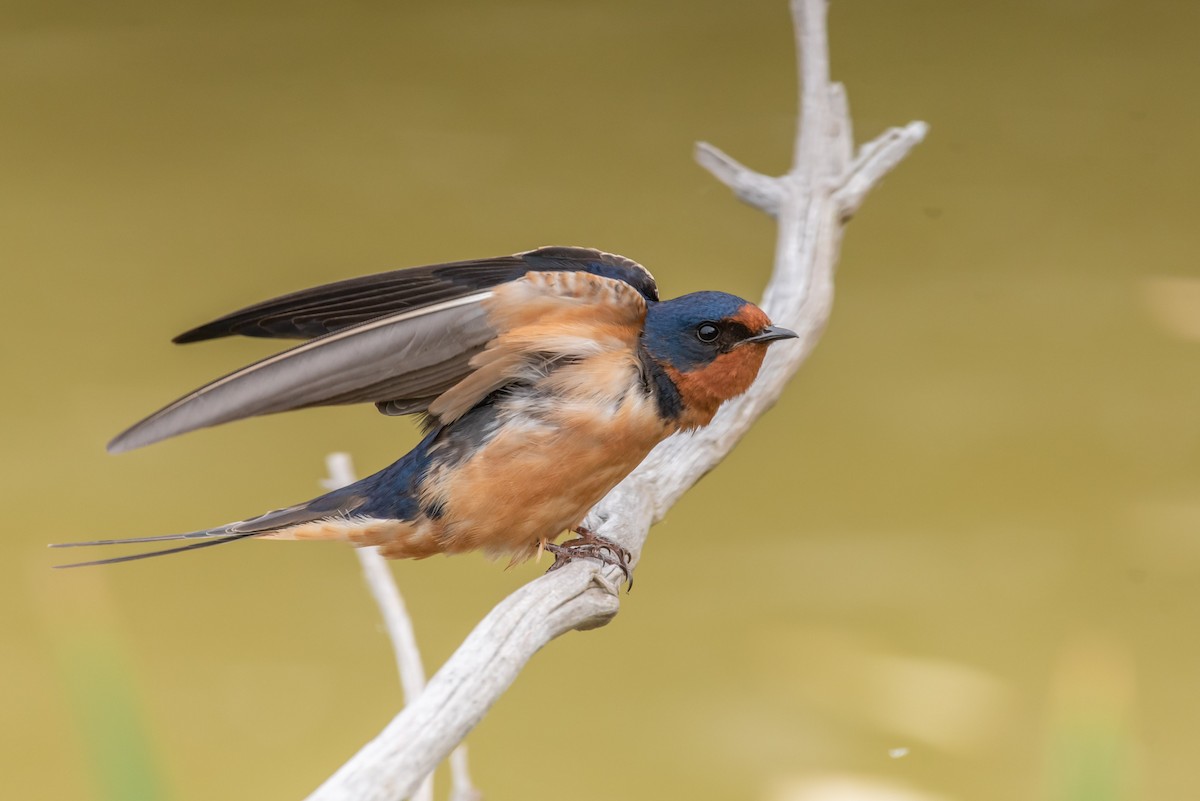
{"x":332,"y":307}
{"x":409,"y":356}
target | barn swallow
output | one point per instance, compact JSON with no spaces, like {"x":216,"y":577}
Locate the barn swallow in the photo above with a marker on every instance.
{"x":543,"y":379}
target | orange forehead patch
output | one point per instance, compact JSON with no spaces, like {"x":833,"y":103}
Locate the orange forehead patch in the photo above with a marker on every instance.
{"x":752,"y":317}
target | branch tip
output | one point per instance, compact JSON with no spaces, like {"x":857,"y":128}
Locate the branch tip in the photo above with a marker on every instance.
{"x":761,"y":191}
{"x":876,"y":159}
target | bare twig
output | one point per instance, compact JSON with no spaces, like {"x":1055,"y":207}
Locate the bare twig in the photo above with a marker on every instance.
{"x":398,"y":624}
{"x":461,"y":788}
{"x":812,"y":203}
{"x":760,"y":191}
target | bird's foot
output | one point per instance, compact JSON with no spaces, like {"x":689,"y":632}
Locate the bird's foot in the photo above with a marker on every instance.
{"x":589,"y":544}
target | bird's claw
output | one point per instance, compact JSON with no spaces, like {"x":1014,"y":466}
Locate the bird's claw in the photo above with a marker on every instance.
{"x":589,"y":544}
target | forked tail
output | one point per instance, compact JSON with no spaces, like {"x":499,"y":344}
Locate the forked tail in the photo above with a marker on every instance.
{"x":339,"y":504}
{"x":207,"y":539}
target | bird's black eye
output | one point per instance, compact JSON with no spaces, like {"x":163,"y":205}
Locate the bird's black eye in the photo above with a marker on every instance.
{"x":707,"y":332}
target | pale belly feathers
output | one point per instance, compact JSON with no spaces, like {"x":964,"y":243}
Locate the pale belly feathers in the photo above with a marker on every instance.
{"x":555,"y":449}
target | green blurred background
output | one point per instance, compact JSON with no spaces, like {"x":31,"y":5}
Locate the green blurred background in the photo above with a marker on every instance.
{"x":958,"y":561}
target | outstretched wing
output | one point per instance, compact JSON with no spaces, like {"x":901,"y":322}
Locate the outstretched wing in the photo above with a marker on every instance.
{"x":400,"y":349}
{"x":324,"y":309}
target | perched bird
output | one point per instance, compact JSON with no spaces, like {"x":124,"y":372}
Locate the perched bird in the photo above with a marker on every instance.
{"x":544,"y":378}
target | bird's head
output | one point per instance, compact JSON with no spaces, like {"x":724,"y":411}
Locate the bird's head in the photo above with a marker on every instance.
{"x":710,"y":344}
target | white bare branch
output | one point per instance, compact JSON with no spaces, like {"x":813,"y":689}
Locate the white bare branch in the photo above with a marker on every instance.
{"x":398,"y":625}
{"x":760,"y":191}
{"x":875,"y":160}
{"x":812,"y":203}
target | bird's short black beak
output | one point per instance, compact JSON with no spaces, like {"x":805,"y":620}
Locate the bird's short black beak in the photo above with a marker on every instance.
{"x":772,"y":333}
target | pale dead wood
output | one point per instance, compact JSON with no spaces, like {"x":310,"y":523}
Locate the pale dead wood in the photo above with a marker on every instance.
{"x":398,"y":625}
{"x":812,"y":202}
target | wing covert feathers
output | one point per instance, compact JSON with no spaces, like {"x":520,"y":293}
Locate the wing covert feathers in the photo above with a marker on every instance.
{"x":542,"y":318}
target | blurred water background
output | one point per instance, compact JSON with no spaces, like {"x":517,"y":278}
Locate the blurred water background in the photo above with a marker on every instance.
{"x":958,"y":561}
